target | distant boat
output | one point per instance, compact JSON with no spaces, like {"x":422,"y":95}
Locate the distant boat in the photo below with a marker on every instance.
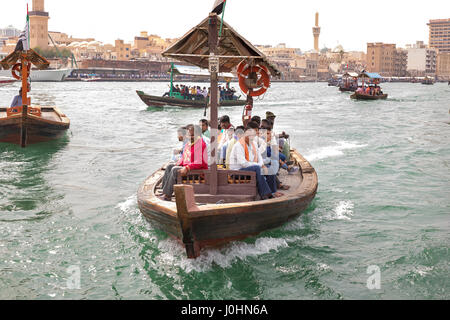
{"x":178,"y":100}
{"x":373,"y":78}
{"x":428,"y":81}
{"x":49,"y":75}
{"x":91,"y":79}
{"x":6,"y":80}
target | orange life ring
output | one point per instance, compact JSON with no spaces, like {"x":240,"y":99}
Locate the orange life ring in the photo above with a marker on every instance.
{"x":263,"y":78}
{"x":17,"y":71}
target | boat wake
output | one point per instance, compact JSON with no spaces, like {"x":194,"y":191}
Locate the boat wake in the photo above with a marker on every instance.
{"x":333,"y":151}
{"x":173,"y":254}
{"x":128,"y":204}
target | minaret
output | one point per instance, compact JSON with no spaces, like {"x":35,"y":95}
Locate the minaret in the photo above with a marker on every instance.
{"x":316,"y":33}
{"x":38,"y":25}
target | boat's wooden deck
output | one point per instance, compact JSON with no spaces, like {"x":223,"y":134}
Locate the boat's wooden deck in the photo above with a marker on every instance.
{"x":46,"y":114}
{"x":292,"y":180}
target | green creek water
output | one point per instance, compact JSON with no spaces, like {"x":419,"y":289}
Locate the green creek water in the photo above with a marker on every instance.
{"x":383,"y":200}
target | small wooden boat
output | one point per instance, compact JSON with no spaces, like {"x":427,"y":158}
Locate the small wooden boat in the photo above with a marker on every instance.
{"x":40,"y":124}
{"x":428,"y":81}
{"x":155,"y":101}
{"x":349,"y":82}
{"x":198,"y":222}
{"x":177,"y":100}
{"x":362,"y":96}
{"x":373,"y":80}
{"x":27,"y":124}
{"x":212,"y":207}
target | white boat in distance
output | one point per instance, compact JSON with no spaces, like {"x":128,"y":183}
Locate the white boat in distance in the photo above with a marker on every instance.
{"x":49,"y":75}
{"x":6,"y":80}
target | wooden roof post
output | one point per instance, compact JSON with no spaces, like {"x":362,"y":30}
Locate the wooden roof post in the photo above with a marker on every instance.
{"x":213,"y":39}
{"x":23,"y":132}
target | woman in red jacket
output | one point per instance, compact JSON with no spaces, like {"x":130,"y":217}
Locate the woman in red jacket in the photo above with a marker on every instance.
{"x":194,"y":157}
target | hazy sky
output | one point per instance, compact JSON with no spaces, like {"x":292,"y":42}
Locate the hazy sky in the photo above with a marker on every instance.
{"x":349,"y":23}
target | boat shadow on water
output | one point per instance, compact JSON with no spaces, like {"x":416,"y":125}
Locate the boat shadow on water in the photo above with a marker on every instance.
{"x":25,"y":194}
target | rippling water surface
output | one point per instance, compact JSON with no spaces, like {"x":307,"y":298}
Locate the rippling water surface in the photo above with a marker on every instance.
{"x":383,"y":200}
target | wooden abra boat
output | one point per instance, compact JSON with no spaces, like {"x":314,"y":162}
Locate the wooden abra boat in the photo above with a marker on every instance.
{"x":177,"y":100}
{"x":215,"y":206}
{"x":373,"y":79}
{"x":28,"y":124}
{"x":361,"y":96}
{"x":198,"y":222}
{"x":155,"y":101}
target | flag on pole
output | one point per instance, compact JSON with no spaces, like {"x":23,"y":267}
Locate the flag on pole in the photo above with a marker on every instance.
{"x":218,"y":6}
{"x":24,"y":38}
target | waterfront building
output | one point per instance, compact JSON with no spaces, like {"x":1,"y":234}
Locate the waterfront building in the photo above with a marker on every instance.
{"x":39,"y":25}
{"x":440,"y":34}
{"x":443,"y":66}
{"x":422,"y":60}
{"x":9,"y":32}
{"x":386,"y":59}
{"x":123,"y":50}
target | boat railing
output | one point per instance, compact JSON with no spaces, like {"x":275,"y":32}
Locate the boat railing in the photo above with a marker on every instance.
{"x":230,"y":182}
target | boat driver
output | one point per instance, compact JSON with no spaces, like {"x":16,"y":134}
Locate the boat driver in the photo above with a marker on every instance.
{"x":17,"y":101}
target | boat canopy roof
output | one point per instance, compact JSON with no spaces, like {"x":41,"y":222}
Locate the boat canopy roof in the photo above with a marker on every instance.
{"x":38,"y":61}
{"x":232,"y":49}
{"x":370,"y":75}
{"x":350,"y":74}
{"x":197,"y":71}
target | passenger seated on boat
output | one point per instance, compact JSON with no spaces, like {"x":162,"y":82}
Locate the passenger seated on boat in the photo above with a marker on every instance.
{"x":271,"y":160}
{"x":194,"y":157}
{"x":238,"y":134}
{"x":17,"y":101}
{"x":224,"y":136}
{"x":182,"y":137}
{"x":360,"y":90}
{"x":246,"y":157}
{"x":224,"y":148}
{"x":204,"y":124}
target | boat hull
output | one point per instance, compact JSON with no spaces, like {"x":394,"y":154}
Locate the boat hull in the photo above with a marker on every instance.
{"x":155,"y":101}
{"x":51,"y":75}
{"x":34,"y":128}
{"x":343,"y":89}
{"x":358,"y":96}
{"x":214,"y":225}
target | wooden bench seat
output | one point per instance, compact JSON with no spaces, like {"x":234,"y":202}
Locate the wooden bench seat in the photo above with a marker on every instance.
{"x":233,"y":186}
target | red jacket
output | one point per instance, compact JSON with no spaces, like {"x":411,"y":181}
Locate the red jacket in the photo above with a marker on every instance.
{"x":195,"y":156}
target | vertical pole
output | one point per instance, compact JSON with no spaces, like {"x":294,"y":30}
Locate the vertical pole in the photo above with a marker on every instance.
{"x":25,"y":102}
{"x":171,"y":79}
{"x":212,"y":39}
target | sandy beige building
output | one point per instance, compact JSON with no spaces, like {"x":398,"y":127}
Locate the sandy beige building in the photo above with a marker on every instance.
{"x":443,"y":65}
{"x":440,"y":34}
{"x":386,"y":59}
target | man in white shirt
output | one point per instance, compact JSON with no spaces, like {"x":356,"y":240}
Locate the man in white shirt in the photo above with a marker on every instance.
{"x":245,"y":156}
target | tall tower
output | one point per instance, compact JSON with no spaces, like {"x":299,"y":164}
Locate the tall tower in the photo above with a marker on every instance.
{"x":39,"y":25}
{"x":316,"y":33}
